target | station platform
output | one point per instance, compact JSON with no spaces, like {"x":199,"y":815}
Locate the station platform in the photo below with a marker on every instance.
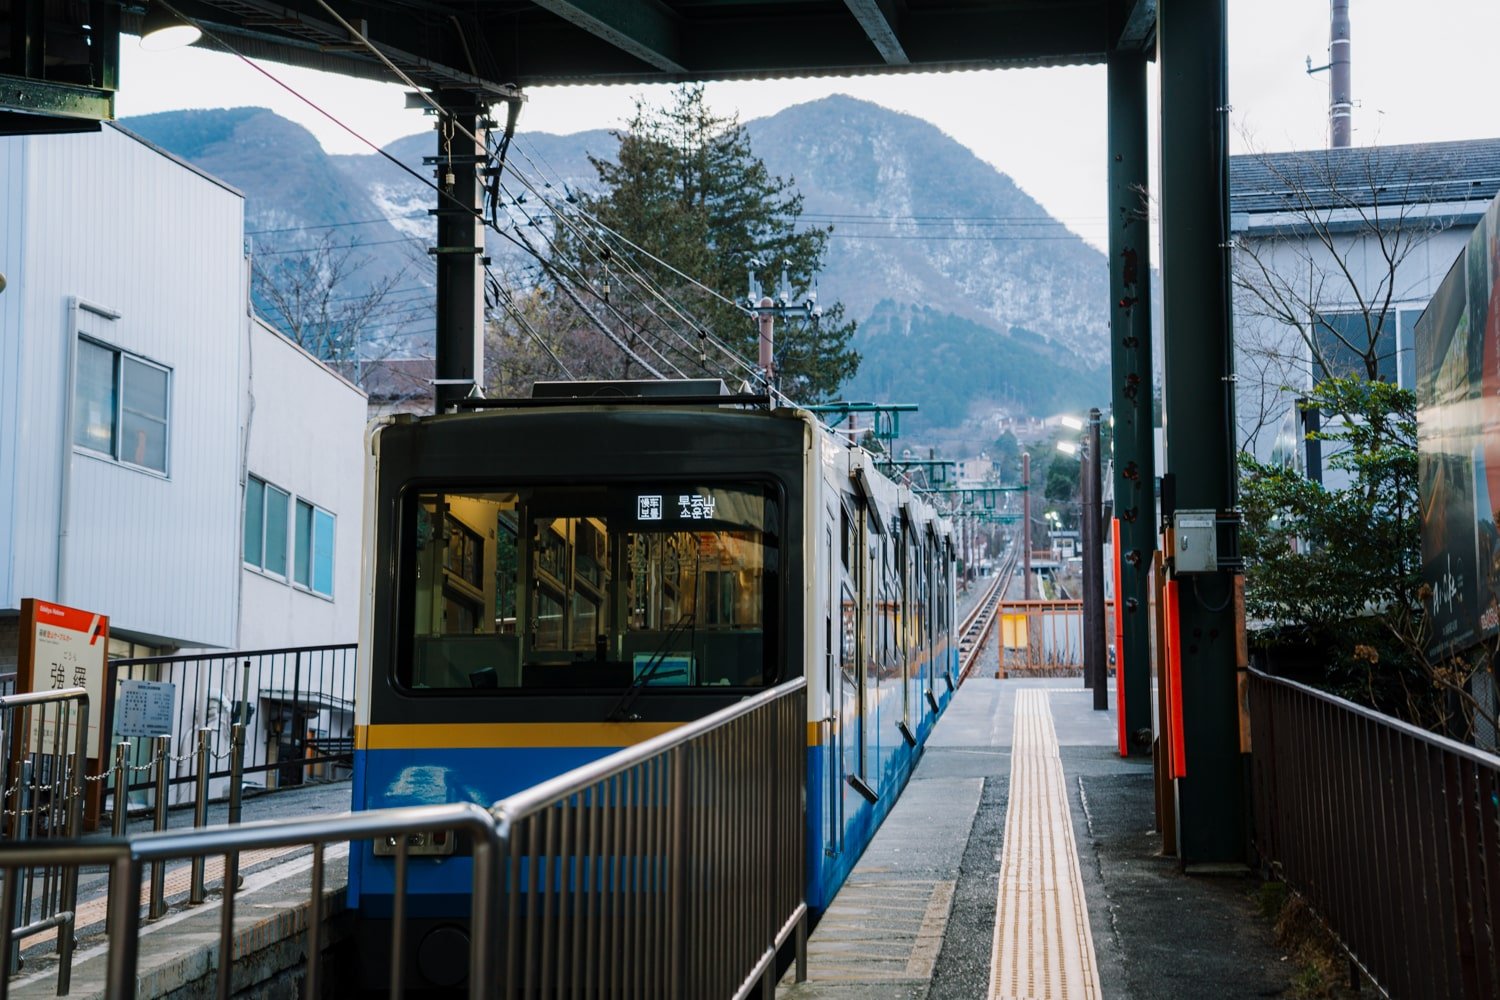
{"x":1021,"y":862}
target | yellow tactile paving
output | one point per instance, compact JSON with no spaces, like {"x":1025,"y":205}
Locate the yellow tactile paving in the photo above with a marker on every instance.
{"x":1043,"y":947}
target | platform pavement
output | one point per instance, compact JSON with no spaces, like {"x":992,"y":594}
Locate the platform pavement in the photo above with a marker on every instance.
{"x":916,"y":920}
{"x":177,"y":952}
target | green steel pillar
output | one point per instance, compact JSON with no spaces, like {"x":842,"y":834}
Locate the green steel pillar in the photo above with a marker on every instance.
{"x":460,"y":304}
{"x":1199,"y":414}
{"x":1130,"y":368}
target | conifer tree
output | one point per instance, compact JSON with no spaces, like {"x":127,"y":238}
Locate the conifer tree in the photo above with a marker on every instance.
{"x":686,"y":186}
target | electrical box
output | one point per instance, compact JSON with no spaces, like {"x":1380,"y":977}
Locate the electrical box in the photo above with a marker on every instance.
{"x":1194,"y":535}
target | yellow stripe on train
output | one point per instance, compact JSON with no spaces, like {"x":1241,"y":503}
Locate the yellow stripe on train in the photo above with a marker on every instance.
{"x":480,"y":735}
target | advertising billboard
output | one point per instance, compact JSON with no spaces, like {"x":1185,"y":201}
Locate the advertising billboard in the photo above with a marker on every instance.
{"x":1458,"y":435}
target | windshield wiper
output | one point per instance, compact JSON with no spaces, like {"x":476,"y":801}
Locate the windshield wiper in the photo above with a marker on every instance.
{"x":621,"y":709}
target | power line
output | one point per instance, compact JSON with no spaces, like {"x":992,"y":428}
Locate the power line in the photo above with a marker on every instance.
{"x":337,"y":246}
{"x":546,"y":265}
{"x":337,"y":225}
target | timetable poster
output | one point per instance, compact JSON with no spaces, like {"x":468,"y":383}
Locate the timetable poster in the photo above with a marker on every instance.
{"x":1458,"y":435}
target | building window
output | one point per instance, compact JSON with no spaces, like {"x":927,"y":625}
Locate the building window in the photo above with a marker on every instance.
{"x":266,"y":526}
{"x":120,"y":406}
{"x":1342,"y":338}
{"x":312,"y":566}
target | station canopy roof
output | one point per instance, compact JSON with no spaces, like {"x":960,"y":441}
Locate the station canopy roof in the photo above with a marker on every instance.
{"x":488,"y":47}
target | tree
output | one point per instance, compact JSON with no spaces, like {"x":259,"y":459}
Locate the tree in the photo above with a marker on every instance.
{"x":1322,"y":290}
{"x":318,"y":298}
{"x":1339,"y":569}
{"x":1324,"y":273}
{"x":1062,"y":480}
{"x":1006,"y":451}
{"x":687,"y":188}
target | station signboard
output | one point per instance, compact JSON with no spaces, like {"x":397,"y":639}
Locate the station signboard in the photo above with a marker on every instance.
{"x":63,"y":647}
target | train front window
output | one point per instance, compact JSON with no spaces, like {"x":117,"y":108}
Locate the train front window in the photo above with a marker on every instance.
{"x":587,"y":587}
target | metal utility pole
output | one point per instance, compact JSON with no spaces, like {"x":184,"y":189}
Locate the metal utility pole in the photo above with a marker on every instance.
{"x":1340,"y":87}
{"x":1026,"y":522}
{"x":1340,"y":98}
{"x":1199,"y":418}
{"x":765,"y":309}
{"x":1133,"y":406}
{"x":1094,"y":665}
{"x":460,"y":245}
{"x":767,"y":340}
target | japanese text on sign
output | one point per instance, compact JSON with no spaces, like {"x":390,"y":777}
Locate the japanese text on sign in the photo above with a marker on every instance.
{"x":67,"y":649}
{"x":145,"y":708}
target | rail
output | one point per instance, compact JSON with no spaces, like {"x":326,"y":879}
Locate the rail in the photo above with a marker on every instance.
{"x":980,"y":621}
{"x":43,"y":756}
{"x":674,"y":868}
{"x":1390,"y":834}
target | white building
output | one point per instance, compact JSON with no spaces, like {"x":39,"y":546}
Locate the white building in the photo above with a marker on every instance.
{"x":142,"y":414}
{"x":1331,"y":236}
{"x":304,"y":494}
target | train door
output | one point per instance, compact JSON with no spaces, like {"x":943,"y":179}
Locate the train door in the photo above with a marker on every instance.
{"x":851,"y":650}
{"x":868,"y":582}
{"x":833,"y":781}
{"x":904,"y":635}
{"x":931,"y":570}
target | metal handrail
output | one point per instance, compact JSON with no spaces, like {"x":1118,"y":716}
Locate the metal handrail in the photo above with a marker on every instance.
{"x":127,"y":858}
{"x":1390,"y":833}
{"x":233,"y":654}
{"x":685,"y":852}
{"x":695,"y":835}
{"x":59,"y":894}
{"x":537,"y":797}
{"x":238,"y":680}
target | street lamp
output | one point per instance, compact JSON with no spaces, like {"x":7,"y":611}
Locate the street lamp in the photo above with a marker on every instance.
{"x":1095,"y":672}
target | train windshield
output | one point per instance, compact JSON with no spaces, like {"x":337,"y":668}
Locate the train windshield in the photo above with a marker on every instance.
{"x":588,"y":587}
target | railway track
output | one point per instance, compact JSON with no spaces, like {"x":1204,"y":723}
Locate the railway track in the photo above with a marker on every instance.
{"x":976,"y":626}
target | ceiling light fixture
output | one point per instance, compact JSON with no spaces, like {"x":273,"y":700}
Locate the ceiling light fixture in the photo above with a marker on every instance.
{"x":163,"y":29}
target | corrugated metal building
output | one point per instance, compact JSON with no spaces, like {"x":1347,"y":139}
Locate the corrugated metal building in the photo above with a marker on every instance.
{"x":1328,"y":238}
{"x":133,"y":393}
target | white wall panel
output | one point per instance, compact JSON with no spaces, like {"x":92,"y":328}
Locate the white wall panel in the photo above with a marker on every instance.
{"x":116,"y":223}
{"x":13,"y":210}
{"x":306,"y":435}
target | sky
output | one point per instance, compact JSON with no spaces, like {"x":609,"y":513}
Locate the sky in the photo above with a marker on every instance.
{"x":1421,"y":72}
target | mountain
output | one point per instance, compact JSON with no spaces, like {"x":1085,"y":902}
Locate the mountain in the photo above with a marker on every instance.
{"x":918,"y":218}
{"x":970,"y":297}
{"x":295,"y":197}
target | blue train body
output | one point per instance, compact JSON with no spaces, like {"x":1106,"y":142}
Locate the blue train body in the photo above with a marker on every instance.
{"x":537,"y":573}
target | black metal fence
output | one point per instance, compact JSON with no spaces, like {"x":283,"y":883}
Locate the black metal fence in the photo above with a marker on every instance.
{"x":297,"y":705}
{"x":1391,"y":834}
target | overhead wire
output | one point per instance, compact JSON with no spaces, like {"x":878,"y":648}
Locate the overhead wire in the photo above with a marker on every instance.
{"x":643,"y":282}
{"x":698,"y":327}
{"x":601,"y":252}
{"x":546,"y":265}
